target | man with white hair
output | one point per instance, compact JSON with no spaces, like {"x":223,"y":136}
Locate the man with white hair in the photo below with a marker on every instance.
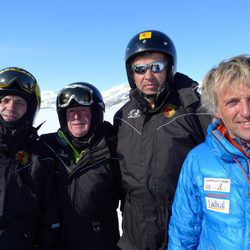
{"x":211,"y":209}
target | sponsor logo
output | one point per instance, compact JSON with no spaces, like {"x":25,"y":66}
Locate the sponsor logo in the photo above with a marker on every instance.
{"x":145,"y":35}
{"x":23,"y":157}
{"x":134,"y":113}
{"x":217,"y":184}
{"x":225,"y":196}
{"x":169,"y":110}
{"x":217,"y":205}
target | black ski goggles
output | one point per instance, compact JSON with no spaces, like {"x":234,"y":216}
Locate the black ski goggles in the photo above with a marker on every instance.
{"x":24,"y":79}
{"x":81,"y":94}
{"x":155,"y":67}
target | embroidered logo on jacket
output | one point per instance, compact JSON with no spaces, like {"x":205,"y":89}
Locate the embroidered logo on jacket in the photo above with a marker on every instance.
{"x":169,"y":110}
{"x":22,"y":156}
{"x":217,"y":205}
{"x":134,"y":113}
{"x":217,"y":184}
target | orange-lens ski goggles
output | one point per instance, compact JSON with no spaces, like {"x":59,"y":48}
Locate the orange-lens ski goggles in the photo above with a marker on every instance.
{"x":25,"y":80}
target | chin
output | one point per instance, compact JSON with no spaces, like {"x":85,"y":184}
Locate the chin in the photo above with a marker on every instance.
{"x":151,"y":92}
{"x":77,"y":135}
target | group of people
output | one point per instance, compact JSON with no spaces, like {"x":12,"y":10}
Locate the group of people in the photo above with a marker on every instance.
{"x":175,"y":159}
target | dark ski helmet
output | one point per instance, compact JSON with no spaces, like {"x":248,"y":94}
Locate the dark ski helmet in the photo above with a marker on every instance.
{"x":80,"y":94}
{"x":151,"y":41}
{"x":17,"y":81}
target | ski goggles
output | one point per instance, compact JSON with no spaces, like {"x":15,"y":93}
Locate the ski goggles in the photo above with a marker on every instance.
{"x":81,"y":94}
{"x":155,"y":67}
{"x":25,"y":80}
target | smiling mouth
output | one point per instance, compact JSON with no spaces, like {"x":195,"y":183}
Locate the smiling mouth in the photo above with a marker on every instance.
{"x":245,"y":123}
{"x":9,"y":116}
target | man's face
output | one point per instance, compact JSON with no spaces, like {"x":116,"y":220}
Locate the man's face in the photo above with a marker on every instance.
{"x":234,"y":110}
{"x":12,"y":108}
{"x":150,"y":82}
{"x":79,"y":120}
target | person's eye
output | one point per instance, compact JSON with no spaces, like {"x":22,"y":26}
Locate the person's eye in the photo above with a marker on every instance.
{"x":21,"y":103}
{"x":5,"y":101}
{"x":231,"y":103}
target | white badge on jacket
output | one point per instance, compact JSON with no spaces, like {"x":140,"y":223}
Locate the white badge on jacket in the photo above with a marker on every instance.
{"x":217,"y":185}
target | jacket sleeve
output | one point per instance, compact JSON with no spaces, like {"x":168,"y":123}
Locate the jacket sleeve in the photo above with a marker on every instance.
{"x":111,"y":137}
{"x":185,"y":222}
{"x":48,"y":227}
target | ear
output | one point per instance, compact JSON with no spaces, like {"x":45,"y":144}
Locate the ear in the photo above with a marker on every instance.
{"x":218,"y":115}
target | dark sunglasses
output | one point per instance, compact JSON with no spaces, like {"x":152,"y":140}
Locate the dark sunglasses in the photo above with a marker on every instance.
{"x":79,"y":93}
{"x":25,"y":80}
{"x":155,"y":67}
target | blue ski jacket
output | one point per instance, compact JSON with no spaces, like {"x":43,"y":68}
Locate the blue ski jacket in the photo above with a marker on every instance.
{"x":211,"y":208}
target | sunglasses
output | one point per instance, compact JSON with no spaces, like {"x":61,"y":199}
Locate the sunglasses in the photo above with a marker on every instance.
{"x":79,"y":93}
{"x":155,"y":67}
{"x":25,"y":80}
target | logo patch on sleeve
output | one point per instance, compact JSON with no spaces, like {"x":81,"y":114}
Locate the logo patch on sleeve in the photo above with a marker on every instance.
{"x":217,"y":184}
{"x":217,"y":205}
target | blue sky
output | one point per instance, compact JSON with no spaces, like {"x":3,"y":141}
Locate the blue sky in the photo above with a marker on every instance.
{"x":61,"y":41}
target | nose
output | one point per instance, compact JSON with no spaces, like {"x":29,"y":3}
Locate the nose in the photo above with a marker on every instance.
{"x":245,"y":109}
{"x":148,"y":74}
{"x":76,"y":115}
{"x":10,"y":105}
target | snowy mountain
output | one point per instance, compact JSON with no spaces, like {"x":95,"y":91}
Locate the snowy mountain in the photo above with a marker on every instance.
{"x":114,"y":98}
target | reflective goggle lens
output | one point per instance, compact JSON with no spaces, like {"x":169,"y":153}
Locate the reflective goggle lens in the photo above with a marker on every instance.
{"x":155,"y":67}
{"x":25,"y":81}
{"x":80,"y":94}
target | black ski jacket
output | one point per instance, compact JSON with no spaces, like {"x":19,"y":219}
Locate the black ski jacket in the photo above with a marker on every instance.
{"x":88,"y":194}
{"x":152,"y":145}
{"x":28,"y":207}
